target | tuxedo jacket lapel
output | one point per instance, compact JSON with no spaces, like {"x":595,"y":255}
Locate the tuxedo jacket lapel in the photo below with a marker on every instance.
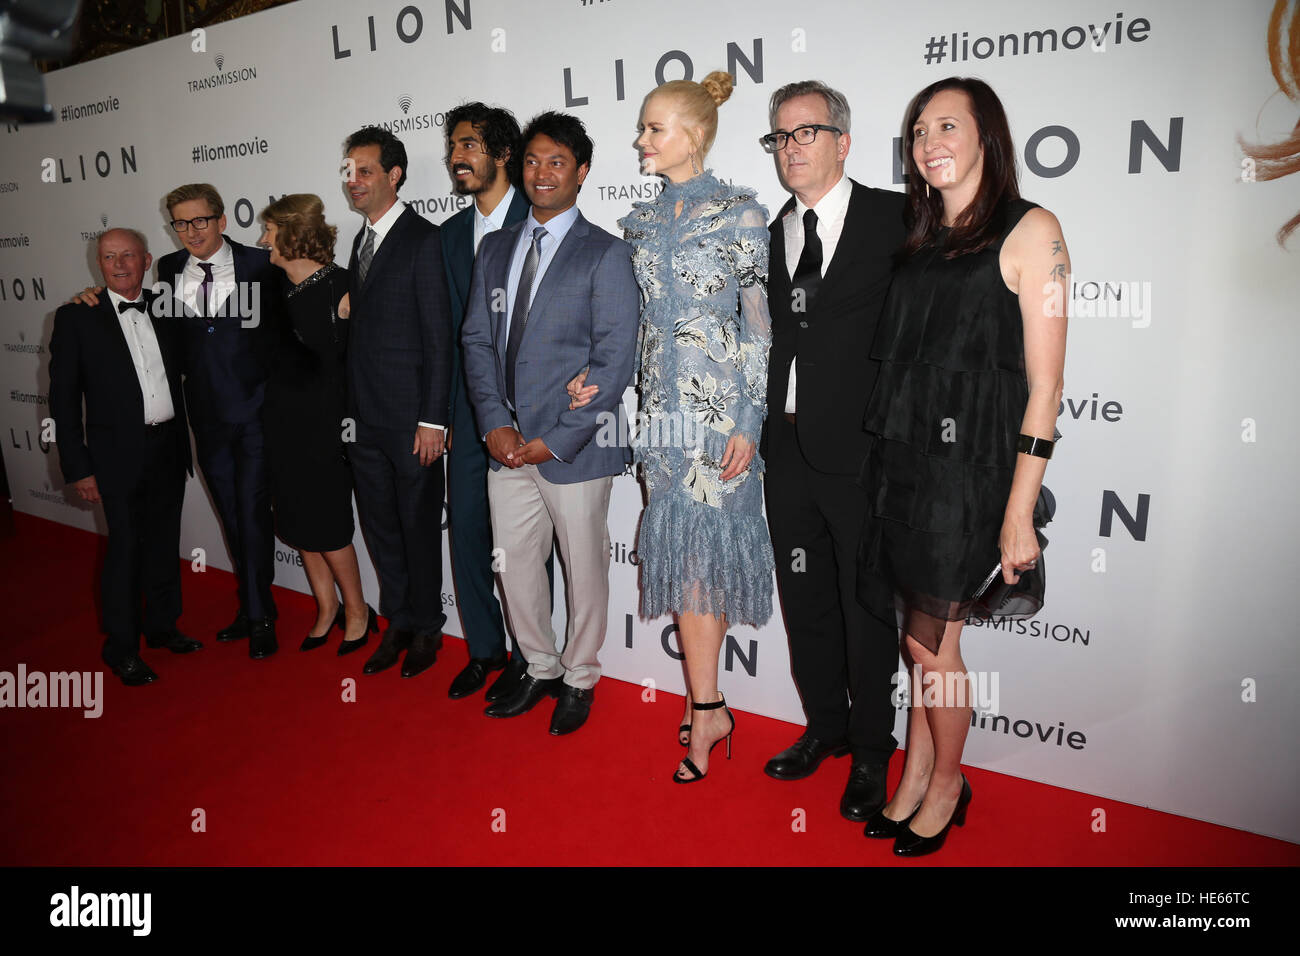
{"x":121,"y":348}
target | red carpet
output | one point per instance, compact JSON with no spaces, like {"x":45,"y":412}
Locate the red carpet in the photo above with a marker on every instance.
{"x":285,"y":772}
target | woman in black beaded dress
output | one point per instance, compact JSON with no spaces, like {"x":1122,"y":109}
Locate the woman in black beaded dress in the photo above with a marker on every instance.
{"x":972,"y":349}
{"x":303,"y":418}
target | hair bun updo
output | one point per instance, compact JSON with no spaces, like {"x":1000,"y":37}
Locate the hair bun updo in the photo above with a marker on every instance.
{"x":718,"y":85}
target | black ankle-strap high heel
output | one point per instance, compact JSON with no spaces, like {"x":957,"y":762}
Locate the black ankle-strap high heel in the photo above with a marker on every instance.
{"x":689,"y":764}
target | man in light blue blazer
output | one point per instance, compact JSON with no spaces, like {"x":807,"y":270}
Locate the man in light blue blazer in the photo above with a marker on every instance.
{"x":551,"y":296}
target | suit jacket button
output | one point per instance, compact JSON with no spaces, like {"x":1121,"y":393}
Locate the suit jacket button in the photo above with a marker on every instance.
{"x":803,"y":324}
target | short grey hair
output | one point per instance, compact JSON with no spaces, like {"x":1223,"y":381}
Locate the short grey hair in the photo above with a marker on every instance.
{"x":836,"y":104}
{"x":135,"y":234}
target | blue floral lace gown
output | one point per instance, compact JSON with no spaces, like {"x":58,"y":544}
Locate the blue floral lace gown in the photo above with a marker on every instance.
{"x":705,"y":332}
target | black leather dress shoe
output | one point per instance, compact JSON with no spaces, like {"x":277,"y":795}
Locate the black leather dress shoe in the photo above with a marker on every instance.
{"x":173,"y":640}
{"x":237,"y":631}
{"x":508,"y":682}
{"x":804,"y":756}
{"x":571,"y":710}
{"x":526,"y":696}
{"x":261,"y":639}
{"x":475,"y":675}
{"x":865,"y":793}
{"x":391,"y":645}
{"x":134,"y":672}
{"x":423,"y":652}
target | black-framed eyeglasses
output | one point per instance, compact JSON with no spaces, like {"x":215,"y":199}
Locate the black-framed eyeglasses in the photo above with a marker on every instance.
{"x":199,"y":222}
{"x":803,"y":135}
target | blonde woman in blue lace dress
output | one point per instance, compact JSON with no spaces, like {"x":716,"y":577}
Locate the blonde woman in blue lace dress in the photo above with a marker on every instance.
{"x":700,"y":256}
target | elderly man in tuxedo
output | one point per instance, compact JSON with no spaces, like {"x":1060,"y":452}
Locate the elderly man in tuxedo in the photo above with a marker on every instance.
{"x":831,"y":252}
{"x":223,"y":299}
{"x":132,"y":452}
{"x":551,"y":295}
{"x":399,"y":377}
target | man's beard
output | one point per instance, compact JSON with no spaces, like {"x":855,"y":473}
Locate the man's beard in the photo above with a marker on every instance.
{"x":463,"y":188}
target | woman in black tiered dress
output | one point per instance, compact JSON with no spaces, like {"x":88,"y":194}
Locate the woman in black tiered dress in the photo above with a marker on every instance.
{"x":303,"y":416}
{"x":972,"y":348}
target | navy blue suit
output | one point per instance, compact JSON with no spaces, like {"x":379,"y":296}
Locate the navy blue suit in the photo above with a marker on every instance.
{"x":140,"y":469}
{"x":399,"y":374}
{"x":226,"y":361}
{"x":470,"y":524}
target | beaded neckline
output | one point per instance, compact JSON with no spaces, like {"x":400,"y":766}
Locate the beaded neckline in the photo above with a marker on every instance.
{"x":314,"y":278}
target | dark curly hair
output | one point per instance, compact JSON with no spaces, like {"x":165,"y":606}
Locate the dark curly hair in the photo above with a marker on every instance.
{"x":499,"y":129}
{"x":564,"y":129}
{"x":391,"y":151}
{"x":301,"y":229}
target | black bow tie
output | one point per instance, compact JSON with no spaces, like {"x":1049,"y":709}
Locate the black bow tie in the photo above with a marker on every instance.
{"x":123,"y":306}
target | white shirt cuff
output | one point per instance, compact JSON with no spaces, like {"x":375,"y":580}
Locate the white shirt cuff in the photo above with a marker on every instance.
{"x":428,"y":425}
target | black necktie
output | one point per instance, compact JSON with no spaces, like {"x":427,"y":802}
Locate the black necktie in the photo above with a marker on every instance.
{"x":519,"y":317}
{"x":123,"y":306}
{"x":808,"y":273}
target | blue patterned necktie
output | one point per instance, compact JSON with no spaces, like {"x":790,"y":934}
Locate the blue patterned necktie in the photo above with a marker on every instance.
{"x":519,"y":318}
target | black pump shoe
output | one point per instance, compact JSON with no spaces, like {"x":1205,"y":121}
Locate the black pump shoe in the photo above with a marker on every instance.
{"x":910,"y":844}
{"x":372,"y":626}
{"x":310,"y":643}
{"x":880,"y":827}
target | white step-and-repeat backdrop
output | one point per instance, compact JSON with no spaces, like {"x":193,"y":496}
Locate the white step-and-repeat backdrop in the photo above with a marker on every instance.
{"x":1163,"y":669}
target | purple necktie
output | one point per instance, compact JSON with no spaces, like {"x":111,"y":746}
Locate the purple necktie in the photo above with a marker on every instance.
{"x":205,"y":289}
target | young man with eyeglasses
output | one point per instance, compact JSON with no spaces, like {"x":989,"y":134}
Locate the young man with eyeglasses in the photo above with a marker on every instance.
{"x":831,"y":252}
{"x":224,"y":298}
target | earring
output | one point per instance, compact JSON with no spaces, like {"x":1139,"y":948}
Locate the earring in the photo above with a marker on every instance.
{"x":927,"y":190}
{"x":695,"y":167}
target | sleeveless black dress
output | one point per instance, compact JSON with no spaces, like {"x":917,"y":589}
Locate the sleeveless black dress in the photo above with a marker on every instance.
{"x":946,"y":413}
{"x":311,"y":481}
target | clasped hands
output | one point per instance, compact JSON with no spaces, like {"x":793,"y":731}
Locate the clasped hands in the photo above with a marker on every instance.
{"x":735,"y":460}
{"x":507,"y":446}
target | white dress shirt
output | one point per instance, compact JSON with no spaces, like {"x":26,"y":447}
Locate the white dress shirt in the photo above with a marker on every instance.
{"x":146,"y":355}
{"x":493,"y":220}
{"x":223,"y":279}
{"x":831,"y":210}
{"x":381,"y":228}
{"x":557,"y":227}
{"x":385,"y":223}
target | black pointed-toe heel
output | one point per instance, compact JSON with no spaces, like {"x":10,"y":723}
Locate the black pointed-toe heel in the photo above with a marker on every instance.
{"x":911,"y":844}
{"x":310,"y":643}
{"x":372,"y":627}
{"x":881,"y":827}
{"x":696,"y":774}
